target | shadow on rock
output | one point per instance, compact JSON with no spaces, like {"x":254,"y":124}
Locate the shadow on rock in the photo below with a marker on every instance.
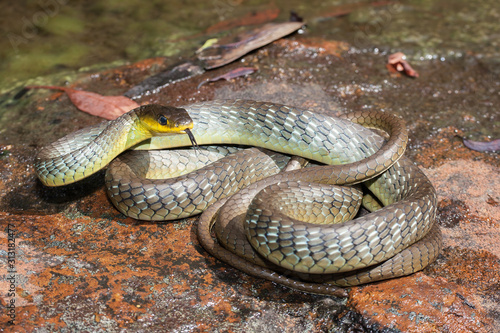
{"x":33,"y":197}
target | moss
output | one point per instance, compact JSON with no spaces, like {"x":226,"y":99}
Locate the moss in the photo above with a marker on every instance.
{"x":65,"y":25}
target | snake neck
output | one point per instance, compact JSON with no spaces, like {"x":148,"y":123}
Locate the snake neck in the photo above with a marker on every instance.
{"x":94,"y":151}
{"x":134,"y":133}
{"x":119,"y":135}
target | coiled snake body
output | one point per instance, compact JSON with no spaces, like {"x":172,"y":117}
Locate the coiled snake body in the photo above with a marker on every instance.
{"x":266,"y":219}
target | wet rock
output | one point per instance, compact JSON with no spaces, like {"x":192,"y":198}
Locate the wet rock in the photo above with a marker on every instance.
{"x":450,"y":212}
{"x":81,"y":265}
{"x":419,"y":303}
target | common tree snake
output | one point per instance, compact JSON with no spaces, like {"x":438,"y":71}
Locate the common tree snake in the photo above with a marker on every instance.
{"x":265,"y":220}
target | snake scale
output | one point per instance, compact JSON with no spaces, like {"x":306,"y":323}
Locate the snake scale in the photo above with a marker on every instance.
{"x":268,"y":222}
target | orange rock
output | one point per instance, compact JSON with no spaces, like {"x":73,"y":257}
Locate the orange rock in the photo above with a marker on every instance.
{"x":419,"y":303}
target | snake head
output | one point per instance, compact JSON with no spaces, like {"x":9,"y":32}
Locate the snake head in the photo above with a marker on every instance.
{"x":160,"y":119}
{"x":166,"y":120}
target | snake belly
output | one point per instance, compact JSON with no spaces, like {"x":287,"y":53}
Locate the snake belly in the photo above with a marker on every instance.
{"x":396,"y":240}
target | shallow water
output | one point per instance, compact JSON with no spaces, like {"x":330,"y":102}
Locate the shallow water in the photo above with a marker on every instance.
{"x":48,"y":36}
{"x":454,"y":44}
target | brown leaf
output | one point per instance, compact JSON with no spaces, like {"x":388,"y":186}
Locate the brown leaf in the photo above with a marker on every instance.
{"x":397,"y":62}
{"x":236,"y":46}
{"x":107,"y":107}
{"x":241,"y":71}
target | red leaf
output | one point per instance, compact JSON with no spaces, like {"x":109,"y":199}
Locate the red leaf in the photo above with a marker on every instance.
{"x":107,"y":107}
{"x":397,"y":62}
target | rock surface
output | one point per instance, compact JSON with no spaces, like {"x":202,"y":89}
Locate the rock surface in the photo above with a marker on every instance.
{"x":82,"y":266}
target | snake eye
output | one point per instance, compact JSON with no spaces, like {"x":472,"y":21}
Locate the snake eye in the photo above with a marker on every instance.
{"x":162,"y":120}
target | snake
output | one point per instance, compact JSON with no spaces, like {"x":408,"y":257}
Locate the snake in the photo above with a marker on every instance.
{"x":292,"y":225}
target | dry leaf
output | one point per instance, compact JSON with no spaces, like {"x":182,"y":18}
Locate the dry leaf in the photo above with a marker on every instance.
{"x":236,"y":46}
{"x":216,"y":55}
{"x":483,"y":146}
{"x":107,"y":107}
{"x":241,"y":71}
{"x":397,"y":62}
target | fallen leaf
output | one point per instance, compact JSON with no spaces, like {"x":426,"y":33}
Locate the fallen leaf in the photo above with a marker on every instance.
{"x":483,"y":146}
{"x":252,"y":18}
{"x":215,"y":55}
{"x":397,"y":62}
{"x":107,"y":107}
{"x":208,"y":43}
{"x":236,"y":46}
{"x":241,"y":71}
